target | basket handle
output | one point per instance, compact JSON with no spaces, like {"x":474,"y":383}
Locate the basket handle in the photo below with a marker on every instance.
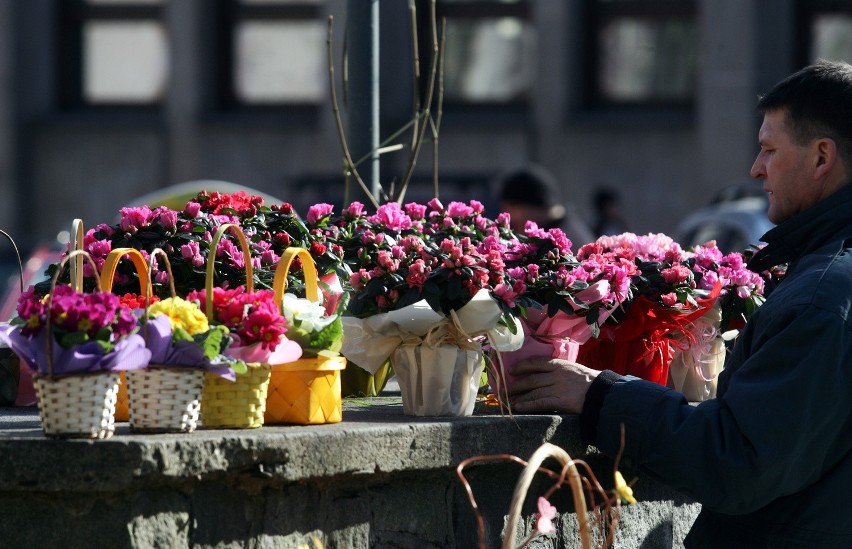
{"x":162,"y":253}
{"x":111,"y":263}
{"x":73,"y":254}
{"x":211,"y":261}
{"x":76,"y":267}
{"x":543,"y":452}
{"x":279,"y":283}
{"x":18,"y":255}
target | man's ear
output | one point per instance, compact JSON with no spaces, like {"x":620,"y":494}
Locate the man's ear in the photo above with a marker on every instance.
{"x":826,"y":156}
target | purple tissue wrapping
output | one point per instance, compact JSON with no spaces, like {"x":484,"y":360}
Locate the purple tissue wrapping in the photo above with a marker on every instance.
{"x":129,"y":354}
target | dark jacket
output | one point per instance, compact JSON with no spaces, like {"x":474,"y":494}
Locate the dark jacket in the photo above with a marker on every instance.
{"x":770,"y":458}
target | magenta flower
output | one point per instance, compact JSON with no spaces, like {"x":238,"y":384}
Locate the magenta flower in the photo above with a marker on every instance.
{"x":319,"y":211}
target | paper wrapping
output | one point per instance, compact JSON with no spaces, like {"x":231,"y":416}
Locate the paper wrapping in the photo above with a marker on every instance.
{"x":437,"y":381}
{"x":437,"y":359}
{"x":369,"y":342}
{"x":694,"y":370}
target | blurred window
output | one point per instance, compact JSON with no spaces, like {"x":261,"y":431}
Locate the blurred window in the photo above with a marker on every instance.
{"x":272,"y":53}
{"x":641,"y":53}
{"x":824,"y":30}
{"x":113,"y":53}
{"x":490,"y":51}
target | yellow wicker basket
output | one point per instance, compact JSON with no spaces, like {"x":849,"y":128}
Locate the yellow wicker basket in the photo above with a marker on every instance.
{"x":228,"y":404}
{"x":306,"y":391}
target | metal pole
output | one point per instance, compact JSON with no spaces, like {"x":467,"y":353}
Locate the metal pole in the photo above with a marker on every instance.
{"x":362,"y":32}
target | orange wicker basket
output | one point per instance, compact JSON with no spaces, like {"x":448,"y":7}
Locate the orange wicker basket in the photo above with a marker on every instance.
{"x":306,"y":391}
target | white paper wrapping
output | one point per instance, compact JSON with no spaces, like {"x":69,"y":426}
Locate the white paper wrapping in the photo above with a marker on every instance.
{"x":437,"y":381}
{"x":437,"y":359}
{"x":695,"y":371}
{"x":369,"y":342}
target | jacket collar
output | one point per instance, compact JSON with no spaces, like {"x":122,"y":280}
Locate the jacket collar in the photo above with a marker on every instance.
{"x":805,"y":231}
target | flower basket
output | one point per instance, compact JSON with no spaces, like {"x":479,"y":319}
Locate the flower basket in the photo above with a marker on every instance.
{"x":79,"y":402}
{"x":306,"y":391}
{"x":236,"y":404}
{"x":122,"y":405}
{"x":164,"y":399}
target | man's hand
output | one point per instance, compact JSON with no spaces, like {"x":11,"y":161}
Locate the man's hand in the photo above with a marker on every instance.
{"x":549,"y":385}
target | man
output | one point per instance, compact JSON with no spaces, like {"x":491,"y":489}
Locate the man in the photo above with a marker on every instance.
{"x":770,"y":459}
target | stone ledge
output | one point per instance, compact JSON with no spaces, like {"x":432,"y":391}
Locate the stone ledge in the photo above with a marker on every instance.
{"x":378,"y":479}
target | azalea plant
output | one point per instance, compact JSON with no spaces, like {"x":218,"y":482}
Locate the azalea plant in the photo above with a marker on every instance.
{"x":186,"y":237}
{"x":403,"y":254}
{"x":741,"y":290}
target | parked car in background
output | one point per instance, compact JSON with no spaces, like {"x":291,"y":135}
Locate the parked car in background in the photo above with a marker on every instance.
{"x":735,"y":219}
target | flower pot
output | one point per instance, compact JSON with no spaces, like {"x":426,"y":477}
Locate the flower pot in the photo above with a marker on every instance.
{"x":77,"y":406}
{"x":238,"y":404}
{"x":164,"y":399}
{"x":358,"y":382}
{"x":440,"y":380}
{"x":305,"y":391}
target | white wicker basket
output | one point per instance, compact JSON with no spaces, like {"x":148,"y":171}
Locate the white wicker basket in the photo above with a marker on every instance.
{"x":77,"y":406}
{"x":164,"y":399}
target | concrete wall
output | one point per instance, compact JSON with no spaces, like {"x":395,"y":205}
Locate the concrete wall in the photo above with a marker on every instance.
{"x":378,"y":479}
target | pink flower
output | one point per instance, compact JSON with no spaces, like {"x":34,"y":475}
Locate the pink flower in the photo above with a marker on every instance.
{"x":133,"y":219}
{"x":546,"y":514}
{"x":669,"y":299}
{"x":319,"y":211}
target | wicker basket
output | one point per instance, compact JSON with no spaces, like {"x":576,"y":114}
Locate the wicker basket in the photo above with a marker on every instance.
{"x":122,"y":406}
{"x":239,"y":404}
{"x":306,"y":391}
{"x":165,"y":399}
{"x":236,"y":404}
{"x":77,"y":406}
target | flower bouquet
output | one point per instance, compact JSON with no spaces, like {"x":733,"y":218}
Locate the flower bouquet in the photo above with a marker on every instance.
{"x":561,"y":300}
{"x":665,"y":301}
{"x":257,"y":329}
{"x":424,"y":295}
{"x":700,"y":357}
{"x":75,"y":343}
{"x":308,"y":390}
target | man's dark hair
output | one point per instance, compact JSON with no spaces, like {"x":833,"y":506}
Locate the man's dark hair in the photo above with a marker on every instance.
{"x":818,"y":103}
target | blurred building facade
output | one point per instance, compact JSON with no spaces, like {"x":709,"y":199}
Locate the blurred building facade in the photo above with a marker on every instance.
{"x":103,"y":101}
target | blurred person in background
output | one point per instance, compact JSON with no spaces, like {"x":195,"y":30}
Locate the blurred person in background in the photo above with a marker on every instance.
{"x":609,"y":219}
{"x":531,"y":193}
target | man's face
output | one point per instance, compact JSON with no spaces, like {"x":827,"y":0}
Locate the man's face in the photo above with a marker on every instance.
{"x":785,"y":168}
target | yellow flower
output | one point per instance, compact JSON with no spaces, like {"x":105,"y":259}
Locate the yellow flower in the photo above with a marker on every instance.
{"x":182,"y":314}
{"x":624,"y":491}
